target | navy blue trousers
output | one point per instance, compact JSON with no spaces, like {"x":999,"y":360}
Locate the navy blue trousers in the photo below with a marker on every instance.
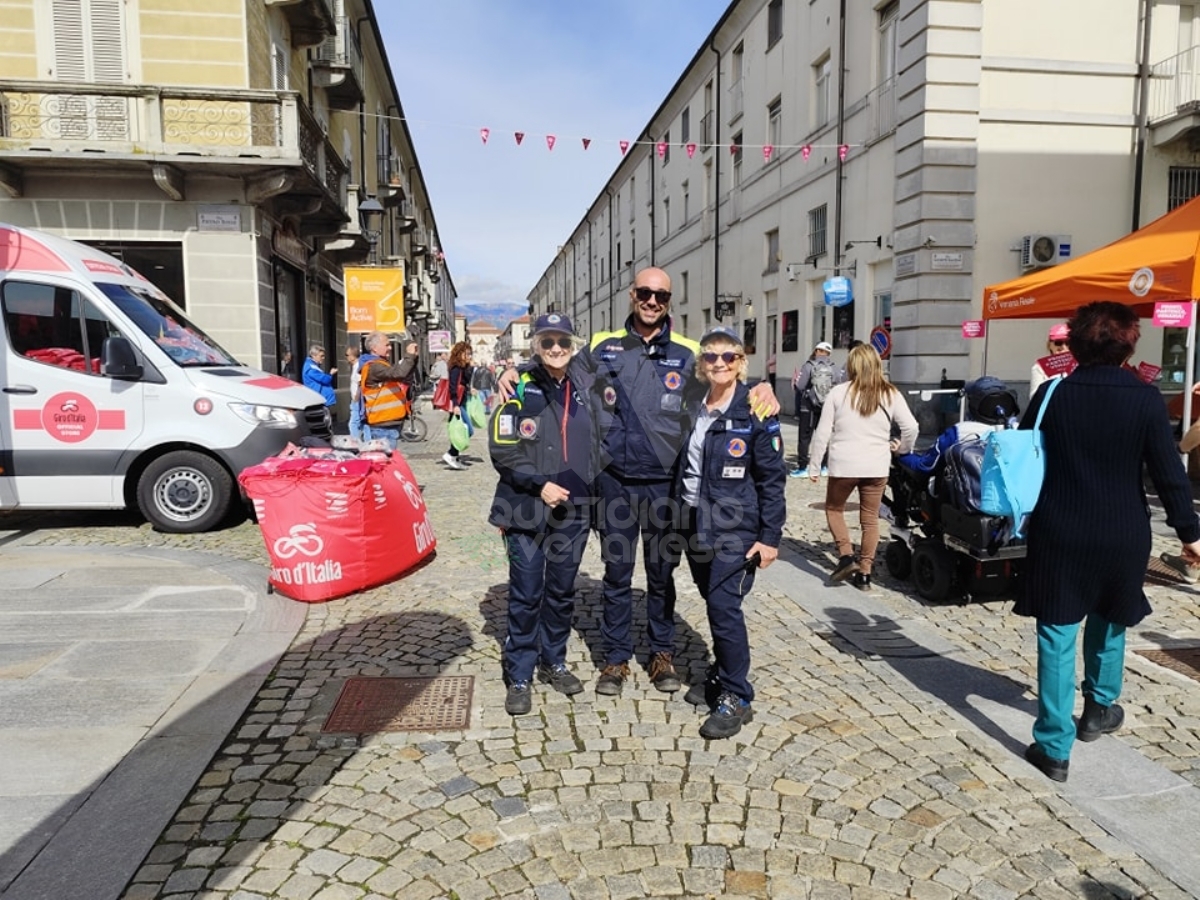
{"x":723,"y":581}
{"x":541,"y":591}
{"x":630,"y":510}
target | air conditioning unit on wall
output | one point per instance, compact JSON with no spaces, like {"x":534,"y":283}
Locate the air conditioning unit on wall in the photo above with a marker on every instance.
{"x":1041,"y":250}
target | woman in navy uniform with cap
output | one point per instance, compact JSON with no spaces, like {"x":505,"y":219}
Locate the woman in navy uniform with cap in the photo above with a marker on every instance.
{"x":731,"y":486}
{"x":541,"y":443}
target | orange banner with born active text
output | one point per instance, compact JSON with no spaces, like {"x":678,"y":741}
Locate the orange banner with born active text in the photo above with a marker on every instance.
{"x":374,"y":298}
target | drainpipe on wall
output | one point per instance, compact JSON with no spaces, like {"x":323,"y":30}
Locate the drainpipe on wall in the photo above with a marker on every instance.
{"x":362,"y":115}
{"x":841,"y":136}
{"x":1143,"y":111}
{"x":716,"y":142}
{"x":653,"y":197}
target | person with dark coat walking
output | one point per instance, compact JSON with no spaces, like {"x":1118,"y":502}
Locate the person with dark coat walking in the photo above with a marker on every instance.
{"x":1089,"y":535}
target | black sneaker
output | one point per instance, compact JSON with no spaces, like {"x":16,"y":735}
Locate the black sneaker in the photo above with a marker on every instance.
{"x":706,"y":692}
{"x":727,"y":717}
{"x":662,"y":673}
{"x":1054,"y":769}
{"x":862,"y":581}
{"x":612,"y":679}
{"x":559,"y":677}
{"x":519,"y":699}
{"x":845,"y":565}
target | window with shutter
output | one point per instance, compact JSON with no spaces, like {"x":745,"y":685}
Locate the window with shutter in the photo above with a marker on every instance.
{"x":89,"y":46}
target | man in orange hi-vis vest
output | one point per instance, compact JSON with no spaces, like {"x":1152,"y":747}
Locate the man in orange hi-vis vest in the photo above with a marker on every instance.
{"x":385,"y":388}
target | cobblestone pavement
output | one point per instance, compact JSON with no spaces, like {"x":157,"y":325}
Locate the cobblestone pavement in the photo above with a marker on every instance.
{"x":851,"y":782}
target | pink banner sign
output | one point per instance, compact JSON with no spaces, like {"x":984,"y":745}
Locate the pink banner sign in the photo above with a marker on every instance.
{"x":1057,"y":364}
{"x":1172,"y":315}
{"x":973,"y":328}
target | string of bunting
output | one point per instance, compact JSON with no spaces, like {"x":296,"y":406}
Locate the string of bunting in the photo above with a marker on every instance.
{"x":662,"y":147}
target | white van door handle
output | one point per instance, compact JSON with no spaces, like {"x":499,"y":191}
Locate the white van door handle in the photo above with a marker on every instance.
{"x":20,"y":389}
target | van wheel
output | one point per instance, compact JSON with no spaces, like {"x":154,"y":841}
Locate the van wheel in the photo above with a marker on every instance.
{"x":184,"y":492}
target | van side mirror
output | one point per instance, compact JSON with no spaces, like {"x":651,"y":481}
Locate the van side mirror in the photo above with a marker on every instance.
{"x":118,"y":359}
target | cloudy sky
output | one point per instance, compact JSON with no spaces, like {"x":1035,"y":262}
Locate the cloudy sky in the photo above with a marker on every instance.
{"x":569,"y":68}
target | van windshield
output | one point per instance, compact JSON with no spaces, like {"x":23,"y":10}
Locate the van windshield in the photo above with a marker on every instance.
{"x":165,"y":324}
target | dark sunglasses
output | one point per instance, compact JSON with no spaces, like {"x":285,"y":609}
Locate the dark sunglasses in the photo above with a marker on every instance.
{"x":1059,"y":343}
{"x":728,"y":357}
{"x":564,"y":342}
{"x":644,"y":294}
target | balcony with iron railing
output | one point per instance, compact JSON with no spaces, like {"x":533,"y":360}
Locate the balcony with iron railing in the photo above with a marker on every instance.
{"x":309,"y":21}
{"x":1173,"y":100}
{"x":337,"y":66}
{"x":150,"y":128}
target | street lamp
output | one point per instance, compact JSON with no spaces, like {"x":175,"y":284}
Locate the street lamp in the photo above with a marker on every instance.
{"x":370,"y":215}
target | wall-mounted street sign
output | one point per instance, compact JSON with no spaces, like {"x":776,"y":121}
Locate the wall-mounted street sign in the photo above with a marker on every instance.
{"x":725,"y":307}
{"x":881,"y":340}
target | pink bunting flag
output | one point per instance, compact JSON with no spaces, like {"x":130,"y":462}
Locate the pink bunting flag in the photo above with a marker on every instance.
{"x":767,"y":151}
{"x":806,"y":151}
{"x":520,"y":136}
{"x":734,"y":148}
{"x":662,"y":149}
{"x":624,"y":147}
{"x":587,"y":142}
{"x":550,"y":141}
{"x":842,"y":151}
{"x":691,"y":150}
{"x":485,"y":133}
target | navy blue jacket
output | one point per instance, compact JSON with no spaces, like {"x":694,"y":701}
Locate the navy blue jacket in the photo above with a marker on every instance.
{"x":525,"y":439}
{"x":641,"y":392}
{"x":742,"y":476}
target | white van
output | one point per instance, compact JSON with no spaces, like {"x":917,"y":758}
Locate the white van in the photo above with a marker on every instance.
{"x":111,"y":398}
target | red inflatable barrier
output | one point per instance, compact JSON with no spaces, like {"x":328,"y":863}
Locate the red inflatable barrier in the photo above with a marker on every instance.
{"x":336,"y":526}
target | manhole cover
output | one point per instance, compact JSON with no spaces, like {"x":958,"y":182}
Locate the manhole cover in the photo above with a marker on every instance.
{"x":372,"y":705}
{"x":1184,"y":660}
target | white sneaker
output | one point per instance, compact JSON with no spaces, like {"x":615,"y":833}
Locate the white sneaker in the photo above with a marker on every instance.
{"x":452,"y":461}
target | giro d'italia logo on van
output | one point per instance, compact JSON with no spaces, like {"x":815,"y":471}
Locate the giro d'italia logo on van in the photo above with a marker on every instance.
{"x":69,"y":417}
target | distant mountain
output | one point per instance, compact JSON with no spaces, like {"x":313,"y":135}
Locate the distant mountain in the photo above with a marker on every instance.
{"x":496,"y":314}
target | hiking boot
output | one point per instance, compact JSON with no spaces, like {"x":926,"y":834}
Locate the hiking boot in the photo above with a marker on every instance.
{"x":862,"y":581}
{"x":845,"y":566}
{"x":559,"y":677}
{"x":519,"y":699}
{"x":706,"y":692}
{"x":1181,"y":567}
{"x":612,"y":679}
{"x":1054,"y":769}
{"x":662,"y":673}
{"x":1097,"y":720}
{"x":452,"y":461}
{"x":727,"y":717}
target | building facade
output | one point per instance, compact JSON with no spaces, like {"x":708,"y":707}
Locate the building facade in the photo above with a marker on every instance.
{"x":922,"y":149}
{"x":238,"y":153}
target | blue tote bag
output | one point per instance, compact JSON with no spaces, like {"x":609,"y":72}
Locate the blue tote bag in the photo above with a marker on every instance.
{"x":1014,"y":465}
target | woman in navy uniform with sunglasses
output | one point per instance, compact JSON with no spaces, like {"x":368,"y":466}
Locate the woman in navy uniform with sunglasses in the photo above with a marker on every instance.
{"x":542,"y":444}
{"x":731,"y":485}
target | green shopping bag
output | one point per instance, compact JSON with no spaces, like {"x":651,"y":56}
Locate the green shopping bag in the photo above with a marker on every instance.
{"x":476,"y":411}
{"x":460,"y":436}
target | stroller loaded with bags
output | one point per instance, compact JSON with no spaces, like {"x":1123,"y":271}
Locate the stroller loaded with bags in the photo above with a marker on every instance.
{"x":939,"y":535}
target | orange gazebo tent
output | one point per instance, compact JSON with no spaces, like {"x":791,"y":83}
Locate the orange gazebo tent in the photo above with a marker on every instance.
{"x":1153,"y":264}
